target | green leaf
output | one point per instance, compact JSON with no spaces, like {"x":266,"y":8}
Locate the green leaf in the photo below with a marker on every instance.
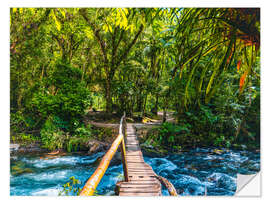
{"x":110,"y":28}
{"x":62,"y":11}
{"x":58,"y":25}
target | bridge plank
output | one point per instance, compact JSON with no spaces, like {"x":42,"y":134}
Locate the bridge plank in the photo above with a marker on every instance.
{"x":141,"y":190}
{"x":139,"y":194}
{"x":138,"y":168}
{"x":142,"y":181}
{"x":138,"y":187}
{"x":138,"y":183}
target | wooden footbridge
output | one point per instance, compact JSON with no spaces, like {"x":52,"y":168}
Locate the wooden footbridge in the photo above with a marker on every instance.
{"x":140,"y":179}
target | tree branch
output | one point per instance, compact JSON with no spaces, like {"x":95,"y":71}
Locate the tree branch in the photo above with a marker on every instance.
{"x":33,"y":26}
{"x":96,"y":33}
{"x":124,"y":55}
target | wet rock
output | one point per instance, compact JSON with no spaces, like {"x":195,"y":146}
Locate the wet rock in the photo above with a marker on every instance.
{"x":188,"y":185}
{"x":243,"y":146}
{"x":196,"y":190}
{"x":19,"y":169}
{"x":153,"y":152}
{"x":96,"y":146}
{"x":97,"y":161}
{"x":30,"y":148}
{"x":222,"y":180}
{"x":218,"y":151}
{"x":250,"y":165}
{"x":147,"y":146}
{"x":180,"y":191}
{"x":203,"y":150}
{"x":14,"y":147}
{"x":116,"y":160}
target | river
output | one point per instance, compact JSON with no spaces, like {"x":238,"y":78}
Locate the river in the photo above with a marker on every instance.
{"x":201,"y":171}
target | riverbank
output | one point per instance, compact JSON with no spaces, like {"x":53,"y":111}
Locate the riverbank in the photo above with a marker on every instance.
{"x":102,"y":142}
{"x":159,"y":140}
{"x":104,"y":128}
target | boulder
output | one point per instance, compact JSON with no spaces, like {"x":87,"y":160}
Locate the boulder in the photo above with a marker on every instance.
{"x":97,"y":146}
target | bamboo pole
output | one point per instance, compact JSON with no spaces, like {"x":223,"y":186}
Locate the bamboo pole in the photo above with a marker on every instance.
{"x":168,"y":185}
{"x":171,"y":189}
{"x":94,"y":180}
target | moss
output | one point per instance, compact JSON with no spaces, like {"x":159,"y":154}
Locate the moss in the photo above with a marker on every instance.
{"x":156,"y":152}
{"x":19,"y":169}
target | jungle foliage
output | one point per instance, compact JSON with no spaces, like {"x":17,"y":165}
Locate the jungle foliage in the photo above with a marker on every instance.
{"x":202,"y":63}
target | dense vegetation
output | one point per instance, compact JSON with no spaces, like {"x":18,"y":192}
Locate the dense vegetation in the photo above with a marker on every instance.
{"x":203,"y":64}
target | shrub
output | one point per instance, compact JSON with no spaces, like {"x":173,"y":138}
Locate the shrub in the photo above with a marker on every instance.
{"x":51,"y":136}
{"x":78,"y":140}
{"x":20,"y":122}
{"x":67,"y":99}
{"x":168,"y":133}
{"x":54,"y":138}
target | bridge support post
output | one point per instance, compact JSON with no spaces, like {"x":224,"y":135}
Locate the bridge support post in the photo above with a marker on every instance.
{"x":124,"y":161}
{"x":123,"y":149}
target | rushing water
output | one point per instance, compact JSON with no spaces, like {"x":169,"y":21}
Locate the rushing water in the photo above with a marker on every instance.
{"x":197,"y":172}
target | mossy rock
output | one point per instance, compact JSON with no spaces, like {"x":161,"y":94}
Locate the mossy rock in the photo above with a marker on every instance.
{"x":153,"y":152}
{"x":18,"y":170}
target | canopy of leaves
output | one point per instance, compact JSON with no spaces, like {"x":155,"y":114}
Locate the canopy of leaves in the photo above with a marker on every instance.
{"x":202,"y":63}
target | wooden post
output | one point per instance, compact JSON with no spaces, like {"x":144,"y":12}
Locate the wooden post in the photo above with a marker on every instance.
{"x":123,"y":146}
{"x":124,"y":161}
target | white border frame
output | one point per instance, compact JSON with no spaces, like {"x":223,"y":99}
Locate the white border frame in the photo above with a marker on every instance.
{"x":5,"y":84}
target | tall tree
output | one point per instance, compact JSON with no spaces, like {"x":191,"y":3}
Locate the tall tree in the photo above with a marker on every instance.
{"x":116,"y":31}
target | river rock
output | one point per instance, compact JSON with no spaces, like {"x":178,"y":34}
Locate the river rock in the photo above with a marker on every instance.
{"x":30,"y":148}
{"x":222,"y":180}
{"x":116,"y":160}
{"x":14,"y":147}
{"x":188,"y":185}
{"x":153,"y":152}
{"x":96,"y":146}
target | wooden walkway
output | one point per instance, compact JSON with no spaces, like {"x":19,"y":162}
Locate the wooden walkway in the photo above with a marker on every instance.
{"x":142,"y":181}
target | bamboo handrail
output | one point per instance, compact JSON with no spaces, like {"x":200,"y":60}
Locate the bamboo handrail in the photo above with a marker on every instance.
{"x":172,"y":191}
{"x":165,"y":182}
{"x":91,"y":184}
{"x":93,"y":181}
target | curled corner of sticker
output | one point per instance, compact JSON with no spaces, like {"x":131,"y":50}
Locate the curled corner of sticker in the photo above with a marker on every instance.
{"x":248,"y":185}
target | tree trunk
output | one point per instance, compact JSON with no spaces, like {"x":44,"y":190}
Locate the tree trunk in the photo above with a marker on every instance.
{"x":164,"y":109}
{"x":164,"y":115}
{"x":144,"y":106}
{"x":139,"y":103}
{"x":156,"y":105}
{"x":19,"y":99}
{"x":108,"y":97}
